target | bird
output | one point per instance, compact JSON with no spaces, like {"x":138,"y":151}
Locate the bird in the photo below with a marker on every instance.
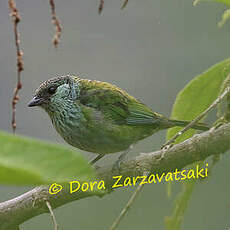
{"x":99,"y":117}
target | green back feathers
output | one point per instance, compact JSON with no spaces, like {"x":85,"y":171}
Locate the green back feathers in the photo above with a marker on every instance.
{"x":115,"y":103}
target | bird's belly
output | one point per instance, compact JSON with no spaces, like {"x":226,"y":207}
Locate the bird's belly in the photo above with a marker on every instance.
{"x":96,"y":140}
{"x":100,"y":137}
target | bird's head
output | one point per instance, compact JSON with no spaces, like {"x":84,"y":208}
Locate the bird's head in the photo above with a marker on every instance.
{"x":55,"y":91}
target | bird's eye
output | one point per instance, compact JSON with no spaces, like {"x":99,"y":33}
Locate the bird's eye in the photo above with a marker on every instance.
{"x":52,"y":90}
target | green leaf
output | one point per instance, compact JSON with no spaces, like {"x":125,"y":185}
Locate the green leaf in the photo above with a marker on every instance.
{"x":26,"y":161}
{"x":226,"y":2}
{"x":181,"y":202}
{"x":197,"y":95}
{"x":225,"y":17}
{"x":175,"y":220}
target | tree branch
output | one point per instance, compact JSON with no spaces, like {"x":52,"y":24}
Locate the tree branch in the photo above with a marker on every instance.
{"x":16,"y":211}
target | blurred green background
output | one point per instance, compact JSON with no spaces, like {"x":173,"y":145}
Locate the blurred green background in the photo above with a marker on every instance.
{"x":152,"y":49}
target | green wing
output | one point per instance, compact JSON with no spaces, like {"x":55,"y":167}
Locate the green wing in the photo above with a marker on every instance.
{"x":116,"y":104}
{"x":141,"y":114}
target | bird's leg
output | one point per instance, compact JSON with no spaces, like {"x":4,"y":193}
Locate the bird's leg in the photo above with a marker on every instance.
{"x":97,"y":158}
{"x":121,"y":158}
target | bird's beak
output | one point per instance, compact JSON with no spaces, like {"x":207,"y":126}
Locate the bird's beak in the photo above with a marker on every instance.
{"x":36,"y":101}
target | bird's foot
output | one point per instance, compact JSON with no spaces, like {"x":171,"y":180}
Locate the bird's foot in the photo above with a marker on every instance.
{"x":117,"y":165}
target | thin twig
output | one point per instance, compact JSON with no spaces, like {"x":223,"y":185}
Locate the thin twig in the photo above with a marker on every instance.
{"x":56,"y":23}
{"x":20,"y":66}
{"x":52,"y":215}
{"x":124,"y":4}
{"x":193,"y":122}
{"x":128,"y":205}
{"x":101,"y":6}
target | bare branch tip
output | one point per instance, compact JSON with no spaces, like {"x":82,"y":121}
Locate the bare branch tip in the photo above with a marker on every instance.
{"x":101,"y":6}
{"x":56,"y":23}
{"x":124,"y":4}
{"x":14,"y":14}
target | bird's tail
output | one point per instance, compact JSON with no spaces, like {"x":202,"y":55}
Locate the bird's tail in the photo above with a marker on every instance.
{"x":199,"y":126}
